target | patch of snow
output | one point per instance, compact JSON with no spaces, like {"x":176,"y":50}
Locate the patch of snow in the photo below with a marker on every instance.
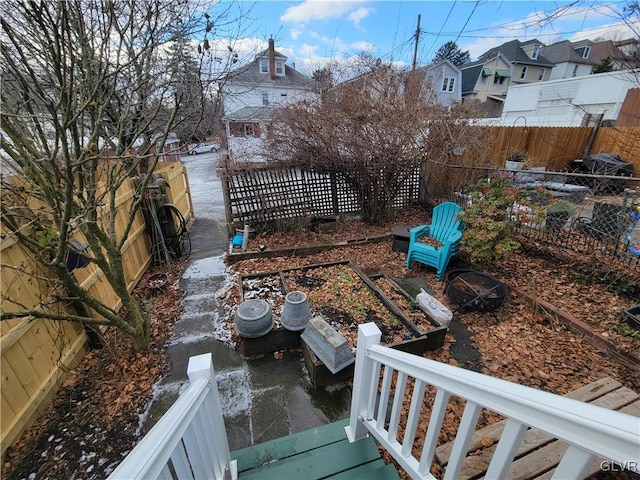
{"x":234,"y":391}
{"x":246,"y":149}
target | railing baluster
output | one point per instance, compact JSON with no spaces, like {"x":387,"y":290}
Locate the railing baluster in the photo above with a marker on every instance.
{"x":508,"y":445}
{"x":195,"y":456}
{"x":375,"y":379}
{"x":398,"y":397}
{"x":574,"y":463}
{"x":384,"y":397}
{"x":181,"y":463}
{"x":412,"y":419}
{"x":435,"y":424}
{"x":463,"y":437}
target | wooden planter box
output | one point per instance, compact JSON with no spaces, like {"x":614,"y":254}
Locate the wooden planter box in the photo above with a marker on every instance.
{"x":280,"y":338}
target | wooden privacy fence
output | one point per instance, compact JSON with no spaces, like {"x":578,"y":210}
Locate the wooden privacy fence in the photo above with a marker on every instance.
{"x":260,"y":195}
{"x":555,"y":147}
{"x":35,"y":354}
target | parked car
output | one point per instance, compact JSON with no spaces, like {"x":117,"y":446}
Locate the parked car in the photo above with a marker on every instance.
{"x":202,"y":148}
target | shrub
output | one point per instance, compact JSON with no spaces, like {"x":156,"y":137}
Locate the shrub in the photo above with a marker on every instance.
{"x":495,"y":205}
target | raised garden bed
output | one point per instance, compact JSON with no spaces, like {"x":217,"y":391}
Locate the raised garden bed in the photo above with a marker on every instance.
{"x":409,"y":307}
{"x":345,"y":297}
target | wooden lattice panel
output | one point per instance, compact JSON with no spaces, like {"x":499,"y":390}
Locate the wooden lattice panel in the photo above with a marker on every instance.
{"x":263,"y":194}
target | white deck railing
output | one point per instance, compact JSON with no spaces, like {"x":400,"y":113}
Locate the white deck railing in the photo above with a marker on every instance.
{"x":189,"y":441}
{"x":590,"y":431}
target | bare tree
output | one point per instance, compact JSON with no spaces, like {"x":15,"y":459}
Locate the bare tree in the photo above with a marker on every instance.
{"x":375,"y":130}
{"x":85,"y":101}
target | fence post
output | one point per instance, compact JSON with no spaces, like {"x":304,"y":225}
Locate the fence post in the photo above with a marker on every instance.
{"x":334,"y":193}
{"x":224,"y":181}
{"x":202,"y":366}
{"x":368,"y":334}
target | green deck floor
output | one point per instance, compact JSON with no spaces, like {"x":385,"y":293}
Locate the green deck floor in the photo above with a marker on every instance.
{"x":322,"y":452}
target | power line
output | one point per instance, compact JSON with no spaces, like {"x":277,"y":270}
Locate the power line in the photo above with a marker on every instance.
{"x":441,"y":28}
{"x":468,"y":18}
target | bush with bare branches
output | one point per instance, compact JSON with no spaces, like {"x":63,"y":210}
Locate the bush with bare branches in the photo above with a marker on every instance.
{"x":375,"y":130}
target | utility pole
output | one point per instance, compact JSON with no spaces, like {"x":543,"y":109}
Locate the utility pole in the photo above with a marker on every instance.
{"x":415,"y":50}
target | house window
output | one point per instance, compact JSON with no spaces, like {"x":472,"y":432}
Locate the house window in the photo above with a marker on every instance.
{"x":575,"y":71}
{"x":248,"y":130}
{"x":586,"y":52}
{"x":498,"y":80}
{"x":536,"y":52}
{"x":284,"y":95}
{"x":264,"y":66}
{"x":524,"y":73}
{"x":280,"y":68}
{"x":483,"y":79}
{"x":448,"y":83}
{"x":265,"y":99}
{"x":542,"y":72}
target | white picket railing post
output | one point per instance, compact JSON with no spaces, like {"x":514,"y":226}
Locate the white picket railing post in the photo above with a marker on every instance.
{"x":368,"y":334}
{"x":190,"y":439}
{"x":201,"y":366}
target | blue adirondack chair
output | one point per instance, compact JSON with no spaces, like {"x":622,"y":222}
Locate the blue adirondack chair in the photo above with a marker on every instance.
{"x":446,"y":227}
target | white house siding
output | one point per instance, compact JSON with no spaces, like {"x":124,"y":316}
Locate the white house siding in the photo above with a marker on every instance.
{"x":239,"y":96}
{"x":566,"y":102}
{"x":565,"y":70}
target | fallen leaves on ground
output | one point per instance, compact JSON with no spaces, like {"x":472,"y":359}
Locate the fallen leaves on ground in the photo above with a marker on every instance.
{"x":94,"y":420}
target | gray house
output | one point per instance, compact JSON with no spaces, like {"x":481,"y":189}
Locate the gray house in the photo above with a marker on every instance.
{"x":445,"y":80}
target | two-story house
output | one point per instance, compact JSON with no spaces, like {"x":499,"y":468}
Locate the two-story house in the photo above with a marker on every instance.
{"x":250,"y":92}
{"x":528,"y":65}
{"x":623,"y":54}
{"x":570,"y":59}
{"x":486,"y":82}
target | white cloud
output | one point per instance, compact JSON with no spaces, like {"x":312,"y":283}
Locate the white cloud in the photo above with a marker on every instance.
{"x":363,"y":46}
{"x":308,"y":50}
{"x":322,"y":38}
{"x":358,"y":15}
{"x":296,"y":32}
{"x":318,"y":10}
{"x":613,"y":31}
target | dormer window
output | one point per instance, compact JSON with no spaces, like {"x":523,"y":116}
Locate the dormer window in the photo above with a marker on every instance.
{"x":279,"y":67}
{"x":586,"y":52}
{"x":264,"y":65}
{"x":536,"y":52}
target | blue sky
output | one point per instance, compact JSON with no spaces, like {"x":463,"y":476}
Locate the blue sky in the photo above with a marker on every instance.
{"x":312,"y":32}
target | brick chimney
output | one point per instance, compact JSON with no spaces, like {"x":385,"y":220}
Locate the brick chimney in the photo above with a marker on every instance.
{"x":272,"y":59}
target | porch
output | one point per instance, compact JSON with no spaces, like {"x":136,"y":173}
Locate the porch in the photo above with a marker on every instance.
{"x":572,"y":438}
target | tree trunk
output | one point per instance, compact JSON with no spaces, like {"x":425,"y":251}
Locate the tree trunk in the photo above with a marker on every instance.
{"x":139,"y":322}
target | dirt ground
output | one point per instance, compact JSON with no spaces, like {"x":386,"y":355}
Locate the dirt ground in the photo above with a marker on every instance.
{"x":94,"y":420}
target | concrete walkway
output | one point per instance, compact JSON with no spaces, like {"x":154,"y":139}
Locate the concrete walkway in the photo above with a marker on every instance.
{"x":262,"y":399}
